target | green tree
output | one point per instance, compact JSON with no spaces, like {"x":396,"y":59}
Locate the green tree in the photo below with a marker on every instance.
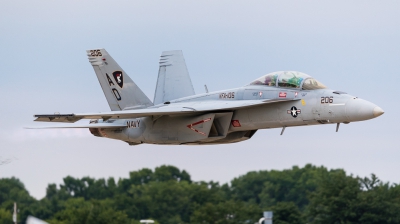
{"x":286,"y":213}
{"x":267,"y":188}
{"x":228,"y":212}
{"x":335,"y":199}
{"x":164,"y":200}
{"x":346,"y":199}
{"x":77,"y":210}
{"x":167,"y":173}
{"x":5,"y":216}
{"x":13,"y":190}
{"x":168,"y":195}
{"x":378,"y":202}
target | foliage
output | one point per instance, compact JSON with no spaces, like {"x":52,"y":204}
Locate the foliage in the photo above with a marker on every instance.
{"x":13,"y":190}
{"x":344,"y":199}
{"x":269,"y":187}
{"x":77,"y":210}
{"x":226,"y":213}
{"x":286,"y":213}
{"x":168,"y":195}
{"x":5,"y":216}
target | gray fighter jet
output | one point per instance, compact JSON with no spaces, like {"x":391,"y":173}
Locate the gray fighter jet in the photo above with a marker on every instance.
{"x":179,"y":116}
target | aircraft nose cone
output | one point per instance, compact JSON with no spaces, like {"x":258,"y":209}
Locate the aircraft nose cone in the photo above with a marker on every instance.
{"x":378,"y":111}
{"x":359,"y":110}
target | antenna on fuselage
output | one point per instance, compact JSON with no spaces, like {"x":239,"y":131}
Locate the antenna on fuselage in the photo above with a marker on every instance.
{"x":205,"y":87}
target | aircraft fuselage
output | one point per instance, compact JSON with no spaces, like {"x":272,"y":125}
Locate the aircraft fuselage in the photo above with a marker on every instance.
{"x":310,"y":107}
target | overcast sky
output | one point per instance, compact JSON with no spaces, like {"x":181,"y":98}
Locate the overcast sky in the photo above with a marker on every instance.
{"x":351,"y":46}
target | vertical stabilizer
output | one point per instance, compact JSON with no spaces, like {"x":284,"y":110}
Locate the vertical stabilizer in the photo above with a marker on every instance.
{"x":120,"y":91}
{"x":173,"y":78}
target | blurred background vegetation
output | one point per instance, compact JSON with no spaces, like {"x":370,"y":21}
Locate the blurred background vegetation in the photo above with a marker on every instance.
{"x":167,"y":195}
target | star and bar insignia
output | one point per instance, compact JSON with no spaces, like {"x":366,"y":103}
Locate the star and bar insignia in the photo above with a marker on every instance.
{"x":294,"y":111}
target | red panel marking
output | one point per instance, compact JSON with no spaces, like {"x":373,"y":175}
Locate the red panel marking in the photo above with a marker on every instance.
{"x":236,"y":123}
{"x":282,"y":94}
{"x":196,"y":123}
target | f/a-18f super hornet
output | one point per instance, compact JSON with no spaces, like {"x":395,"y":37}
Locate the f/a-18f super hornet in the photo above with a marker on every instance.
{"x":179,"y":116}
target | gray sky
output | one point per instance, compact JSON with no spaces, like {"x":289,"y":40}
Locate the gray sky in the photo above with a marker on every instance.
{"x":351,"y":46}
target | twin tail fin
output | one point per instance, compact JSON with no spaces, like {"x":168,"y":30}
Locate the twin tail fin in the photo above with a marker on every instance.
{"x":119,"y":89}
{"x":173,"y":78}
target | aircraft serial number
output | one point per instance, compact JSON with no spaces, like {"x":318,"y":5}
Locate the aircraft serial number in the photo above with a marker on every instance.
{"x":229,"y":95}
{"x":327,"y":99}
{"x":95,"y":53}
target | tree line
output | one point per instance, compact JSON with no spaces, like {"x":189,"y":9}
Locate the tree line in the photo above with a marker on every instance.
{"x":168,"y":195}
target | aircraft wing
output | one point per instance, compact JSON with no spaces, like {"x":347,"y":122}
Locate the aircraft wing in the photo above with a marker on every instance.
{"x":94,"y":125}
{"x":167,"y":109}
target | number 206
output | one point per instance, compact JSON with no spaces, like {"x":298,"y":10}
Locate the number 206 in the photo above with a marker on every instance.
{"x":327,"y":99}
{"x":95,"y":53}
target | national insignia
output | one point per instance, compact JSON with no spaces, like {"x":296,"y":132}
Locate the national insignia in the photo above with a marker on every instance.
{"x":294,"y":111}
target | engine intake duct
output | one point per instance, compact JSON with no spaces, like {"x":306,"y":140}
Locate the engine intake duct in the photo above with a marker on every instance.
{"x":220,"y":126}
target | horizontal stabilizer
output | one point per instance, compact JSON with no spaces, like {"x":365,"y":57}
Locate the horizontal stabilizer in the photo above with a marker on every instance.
{"x":185,"y":108}
{"x":67,"y":118}
{"x":96,"y":125}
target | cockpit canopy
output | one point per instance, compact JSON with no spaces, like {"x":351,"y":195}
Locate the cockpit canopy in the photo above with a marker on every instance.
{"x":289,"y":79}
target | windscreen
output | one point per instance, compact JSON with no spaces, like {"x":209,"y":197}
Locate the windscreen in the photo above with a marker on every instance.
{"x":268,"y":80}
{"x":289,"y":79}
{"x":310,"y":84}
